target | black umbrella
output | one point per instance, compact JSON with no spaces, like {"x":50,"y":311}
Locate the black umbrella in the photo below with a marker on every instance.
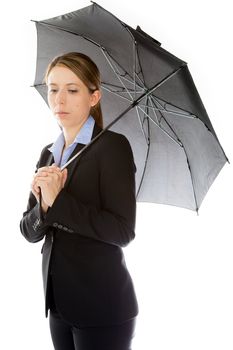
{"x":148,"y":95}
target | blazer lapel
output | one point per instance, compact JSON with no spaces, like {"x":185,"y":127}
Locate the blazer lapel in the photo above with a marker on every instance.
{"x":71,"y":167}
{"x":50,"y":159}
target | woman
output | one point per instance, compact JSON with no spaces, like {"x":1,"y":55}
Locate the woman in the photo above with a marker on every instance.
{"x":87,"y":215}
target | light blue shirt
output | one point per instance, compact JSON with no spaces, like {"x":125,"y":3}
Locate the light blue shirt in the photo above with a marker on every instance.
{"x":83,"y":136}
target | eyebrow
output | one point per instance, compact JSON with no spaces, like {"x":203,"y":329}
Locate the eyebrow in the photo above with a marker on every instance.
{"x":66,"y":84}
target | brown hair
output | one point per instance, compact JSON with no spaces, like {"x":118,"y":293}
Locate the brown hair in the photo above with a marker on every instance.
{"x":86,"y":70}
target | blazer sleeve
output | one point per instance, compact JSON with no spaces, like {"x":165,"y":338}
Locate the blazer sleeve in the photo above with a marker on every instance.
{"x":114,"y":223}
{"x":32,"y":224}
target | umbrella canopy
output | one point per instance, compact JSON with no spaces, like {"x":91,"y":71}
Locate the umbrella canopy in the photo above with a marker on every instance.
{"x":148,"y":95}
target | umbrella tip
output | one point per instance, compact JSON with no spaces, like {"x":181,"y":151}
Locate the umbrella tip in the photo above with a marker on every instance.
{"x":197,"y":211}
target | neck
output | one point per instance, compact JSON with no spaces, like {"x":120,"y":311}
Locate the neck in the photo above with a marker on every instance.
{"x":71,"y":133}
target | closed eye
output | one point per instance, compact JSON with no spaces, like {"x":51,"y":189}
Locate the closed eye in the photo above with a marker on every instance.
{"x":71,"y":91}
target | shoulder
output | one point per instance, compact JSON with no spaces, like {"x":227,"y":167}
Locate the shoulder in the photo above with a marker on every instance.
{"x":113,"y":139}
{"x":44,"y":154}
{"x":45,"y":150}
{"x":115,"y":148}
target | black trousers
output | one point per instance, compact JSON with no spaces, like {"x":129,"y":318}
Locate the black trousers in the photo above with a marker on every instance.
{"x":67,"y":337}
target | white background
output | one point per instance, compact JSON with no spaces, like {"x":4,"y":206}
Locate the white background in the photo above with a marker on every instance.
{"x":181,"y":263}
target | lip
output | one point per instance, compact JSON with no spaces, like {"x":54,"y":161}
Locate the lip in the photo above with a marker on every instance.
{"x":61,"y":114}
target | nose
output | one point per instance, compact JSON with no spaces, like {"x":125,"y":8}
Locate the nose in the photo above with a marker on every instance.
{"x":60,"y":97}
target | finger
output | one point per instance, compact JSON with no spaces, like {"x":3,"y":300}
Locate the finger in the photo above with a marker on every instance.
{"x":54,"y":165}
{"x":44,"y":168}
{"x":42,"y":181}
{"x":50,"y":176}
{"x":52,"y":173}
{"x":49,"y":169}
{"x":35,"y":189}
{"x":34,"y":186}
{"x":48,"y":180}
{"x":35,"y":193}
{"x":42,"y":173}
{"x":64,"y":178}
{"x":36,"y":196}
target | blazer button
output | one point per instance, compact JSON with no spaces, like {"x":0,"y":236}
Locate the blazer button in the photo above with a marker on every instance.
{"x":59,"y":226}
{"x":55,"y":224}
{"x":65,"y":228}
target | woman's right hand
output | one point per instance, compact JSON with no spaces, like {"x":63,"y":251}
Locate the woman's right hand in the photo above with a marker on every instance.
{"x":36,"y":190}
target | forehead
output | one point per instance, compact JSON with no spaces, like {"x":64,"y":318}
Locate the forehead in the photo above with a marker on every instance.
{"x":62,"y":75}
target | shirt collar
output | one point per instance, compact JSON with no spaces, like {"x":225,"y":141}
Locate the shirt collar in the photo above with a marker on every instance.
{"x":83,"y":136}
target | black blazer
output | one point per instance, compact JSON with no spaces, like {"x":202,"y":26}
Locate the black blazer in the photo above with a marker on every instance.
{"x":90,"y":221}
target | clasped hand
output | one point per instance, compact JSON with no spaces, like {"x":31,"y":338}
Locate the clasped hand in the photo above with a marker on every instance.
{"x":51,"y":180}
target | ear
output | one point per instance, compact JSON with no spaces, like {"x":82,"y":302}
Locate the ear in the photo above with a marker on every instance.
{"x":95,"y":97}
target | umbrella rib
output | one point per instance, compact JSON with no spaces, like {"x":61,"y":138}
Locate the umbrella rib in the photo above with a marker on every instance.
{"x":140,"y":122}
{"x":147,"y":153}
{"x":125,"y":92}
{"x":170,"y":112}
{"x":187,"y":159}
{"x":191,"y":115}
{"x":120,"y":87}
{"x":123,"y":69}
{"x":67,"y":31}
{"x":121,"y":77}
{"x":139,"y":63}
{"x":108,"y":60}
{"x":191,"y":175}
{"x":140,"y":80}
{"x":164,"y":131}
{"x":143,"y":88}
{"x":154,"y":110}
{"x":115,"y":93}
{"x":168,"y":124}
{"x":134,"y":66}
{"x":38,"y":85}
{"x":196,"y":117}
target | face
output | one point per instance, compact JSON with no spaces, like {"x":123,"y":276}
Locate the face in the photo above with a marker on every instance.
{"x":68,"y":97}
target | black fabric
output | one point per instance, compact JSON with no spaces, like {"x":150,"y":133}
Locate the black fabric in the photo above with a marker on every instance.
{"x":65,"y":336}
{"x":90,"y":221}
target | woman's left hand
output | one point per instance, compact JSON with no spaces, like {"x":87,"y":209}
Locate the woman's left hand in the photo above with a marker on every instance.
{"x":51,"y":180}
